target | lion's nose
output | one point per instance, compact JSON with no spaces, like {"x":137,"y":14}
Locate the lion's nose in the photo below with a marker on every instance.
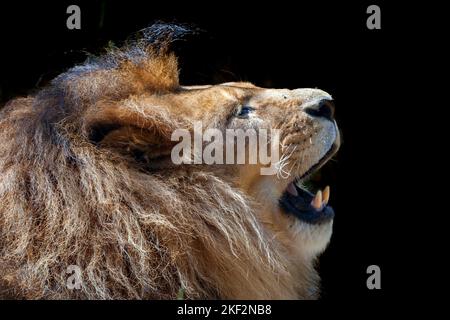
{"x":323,"y":108}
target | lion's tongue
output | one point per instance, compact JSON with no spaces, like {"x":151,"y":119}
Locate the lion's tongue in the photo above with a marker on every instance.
{"x":292,"y":190}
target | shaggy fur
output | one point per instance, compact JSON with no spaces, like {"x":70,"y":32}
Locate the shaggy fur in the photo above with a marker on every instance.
{"x":75,"y":190}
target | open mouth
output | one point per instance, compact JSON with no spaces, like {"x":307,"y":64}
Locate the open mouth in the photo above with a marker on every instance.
{"x":306,"y":206}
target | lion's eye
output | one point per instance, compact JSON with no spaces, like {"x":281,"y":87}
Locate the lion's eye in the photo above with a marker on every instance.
{"x":245,"y":111}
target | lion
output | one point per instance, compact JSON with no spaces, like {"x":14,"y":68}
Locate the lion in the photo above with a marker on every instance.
{"x":87,"y":181}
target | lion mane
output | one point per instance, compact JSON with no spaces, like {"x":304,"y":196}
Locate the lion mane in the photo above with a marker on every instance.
{"x":134,"y":233}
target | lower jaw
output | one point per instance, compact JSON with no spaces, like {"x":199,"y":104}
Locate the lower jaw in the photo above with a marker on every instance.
{"x":308,"y":208}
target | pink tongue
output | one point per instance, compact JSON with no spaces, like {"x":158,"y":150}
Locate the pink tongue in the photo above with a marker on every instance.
{"x":291,"y":189}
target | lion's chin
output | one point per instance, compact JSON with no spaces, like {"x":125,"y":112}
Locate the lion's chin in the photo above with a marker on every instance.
{"x":310,"y":239}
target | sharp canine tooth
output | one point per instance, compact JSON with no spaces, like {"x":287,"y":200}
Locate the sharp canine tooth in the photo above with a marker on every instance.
{"x":291,"y":189}
{"x":326,"y":195}
{"x":317,"y":201}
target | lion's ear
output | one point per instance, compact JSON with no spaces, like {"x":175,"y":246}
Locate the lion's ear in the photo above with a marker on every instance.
{"x":140,"y":131}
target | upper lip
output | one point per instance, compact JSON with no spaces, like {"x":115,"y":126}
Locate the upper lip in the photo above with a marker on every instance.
{"x":321,"y":162}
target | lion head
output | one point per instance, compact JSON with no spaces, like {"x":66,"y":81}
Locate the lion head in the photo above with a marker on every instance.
{"x":88,"y":180}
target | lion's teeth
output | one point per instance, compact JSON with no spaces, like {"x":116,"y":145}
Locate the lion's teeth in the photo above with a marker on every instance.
{"x":326,"y":195}
{"x":317,"y":201}
{"x":291,"y":189}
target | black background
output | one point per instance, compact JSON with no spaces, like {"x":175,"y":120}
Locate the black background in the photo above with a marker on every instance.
{"x":279,"y":44}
